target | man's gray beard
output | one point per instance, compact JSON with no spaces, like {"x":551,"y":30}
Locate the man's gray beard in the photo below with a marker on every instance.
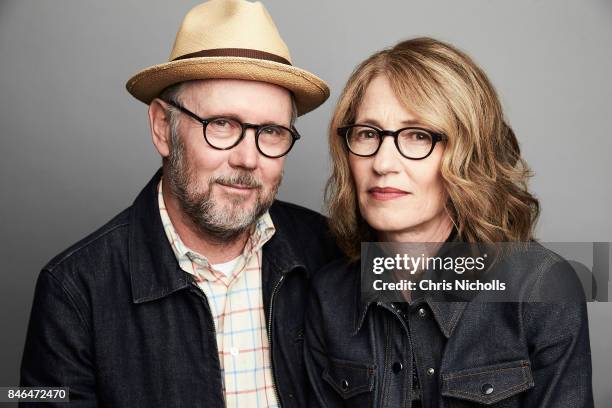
{"x":221,"y":223}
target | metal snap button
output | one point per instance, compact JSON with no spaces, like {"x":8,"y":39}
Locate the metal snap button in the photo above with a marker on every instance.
{"x":397,"y":367}
{"x":422,"y":312}
{"x":344,"y":384}
{"x":431,"y":371}
{"x":487,"y":389}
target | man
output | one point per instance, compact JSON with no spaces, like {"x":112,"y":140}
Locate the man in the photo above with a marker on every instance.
{"x":194,"y":295}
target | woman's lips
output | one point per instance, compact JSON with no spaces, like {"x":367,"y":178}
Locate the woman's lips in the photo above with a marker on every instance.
{"x":386,"y":193}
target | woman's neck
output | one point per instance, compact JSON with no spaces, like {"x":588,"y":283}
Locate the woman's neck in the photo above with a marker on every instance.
{"x":435,"y":230}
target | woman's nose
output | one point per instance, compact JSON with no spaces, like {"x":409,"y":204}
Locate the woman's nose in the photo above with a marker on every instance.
{"x":387,"y":158}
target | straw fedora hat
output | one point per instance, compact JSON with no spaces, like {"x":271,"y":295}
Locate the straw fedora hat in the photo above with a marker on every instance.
{"x":230,"y":39}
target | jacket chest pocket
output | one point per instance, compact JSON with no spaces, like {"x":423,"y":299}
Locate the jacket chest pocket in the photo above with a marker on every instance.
{"x":352,"y":381}
{"x":498,"y":385}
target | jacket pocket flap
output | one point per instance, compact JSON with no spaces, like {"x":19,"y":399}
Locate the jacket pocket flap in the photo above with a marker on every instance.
{"x":349,"y":378}
{"x":489,"y":384}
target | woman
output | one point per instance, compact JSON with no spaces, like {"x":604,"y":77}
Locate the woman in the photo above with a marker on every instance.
{"x":421,"y":153}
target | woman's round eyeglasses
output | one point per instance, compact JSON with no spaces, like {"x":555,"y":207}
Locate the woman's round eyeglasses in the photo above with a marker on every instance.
{"x":413,"y":143}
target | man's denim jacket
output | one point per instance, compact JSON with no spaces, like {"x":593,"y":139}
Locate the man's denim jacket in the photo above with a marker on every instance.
{"x":118,"y":322}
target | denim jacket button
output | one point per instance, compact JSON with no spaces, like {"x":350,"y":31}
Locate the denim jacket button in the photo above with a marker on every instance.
{"x":397,"y":367}
{"x":422,"y":312}
{"x":344,"y":384}
{"x":430,"y":371}
{"x":487,"y":389}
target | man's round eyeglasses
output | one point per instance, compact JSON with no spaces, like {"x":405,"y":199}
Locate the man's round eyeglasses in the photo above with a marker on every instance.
{"x":413,"y":143}
{"x":224,"y":133}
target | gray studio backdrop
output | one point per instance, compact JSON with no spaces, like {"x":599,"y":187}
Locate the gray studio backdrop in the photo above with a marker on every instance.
{"x":75,"y":147}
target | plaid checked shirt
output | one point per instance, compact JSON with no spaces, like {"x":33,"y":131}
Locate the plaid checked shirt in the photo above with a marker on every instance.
{"x":236,"y":304}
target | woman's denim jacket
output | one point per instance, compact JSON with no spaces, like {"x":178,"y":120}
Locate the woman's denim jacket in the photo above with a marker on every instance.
{"x":454,"y":354}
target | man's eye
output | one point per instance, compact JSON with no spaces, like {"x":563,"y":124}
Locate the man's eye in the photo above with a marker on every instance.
{"x":220,"y":123}
{"x":272,"y":131}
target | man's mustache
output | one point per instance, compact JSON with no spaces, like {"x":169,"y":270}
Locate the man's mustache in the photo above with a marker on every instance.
{"x":243,"y":179}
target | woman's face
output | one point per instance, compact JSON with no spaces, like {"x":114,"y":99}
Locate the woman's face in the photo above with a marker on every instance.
{"x":402,"y":199}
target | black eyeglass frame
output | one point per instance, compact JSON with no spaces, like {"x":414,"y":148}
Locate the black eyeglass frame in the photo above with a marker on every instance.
{"x":244,"y":126}
{"x":435,"y":138}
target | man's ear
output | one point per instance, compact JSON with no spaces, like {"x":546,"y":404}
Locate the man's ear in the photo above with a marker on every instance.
{"x":159,"y":121}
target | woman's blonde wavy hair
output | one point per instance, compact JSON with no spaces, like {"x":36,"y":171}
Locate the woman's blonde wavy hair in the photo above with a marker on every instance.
{"x":484,"y":176}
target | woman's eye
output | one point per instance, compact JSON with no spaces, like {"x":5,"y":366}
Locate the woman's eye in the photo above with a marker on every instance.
{"x":416,"y":137}
{"x":366,"y":134}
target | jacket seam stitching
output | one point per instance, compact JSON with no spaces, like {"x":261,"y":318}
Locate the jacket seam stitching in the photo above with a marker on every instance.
{"x":502,"y":394}
{"x":540,"y":276}
{"x":82,"y":246}
{"x":71,"y":299}
{"x":521,"y":367}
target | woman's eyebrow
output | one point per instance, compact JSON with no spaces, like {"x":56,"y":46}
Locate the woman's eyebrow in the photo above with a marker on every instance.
{"x":412,"y":122}
{"x":374,"y":122}
{"x":367,"y":121}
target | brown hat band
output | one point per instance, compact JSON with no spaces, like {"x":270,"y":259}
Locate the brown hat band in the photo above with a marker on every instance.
{"x":235,"y":52}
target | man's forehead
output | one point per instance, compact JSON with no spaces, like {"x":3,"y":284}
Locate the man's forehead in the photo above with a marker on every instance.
{"x":248,"y":100}
{"x":232,"y":87}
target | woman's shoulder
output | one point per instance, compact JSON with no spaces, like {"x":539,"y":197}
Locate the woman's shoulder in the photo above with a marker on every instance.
{"x":542,"y":274}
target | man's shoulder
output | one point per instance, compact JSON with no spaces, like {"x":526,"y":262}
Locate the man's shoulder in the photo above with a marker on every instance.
{"x":305,"y":231}
{"x":337,"y":272}
{"x":293,"y":217}
{"x":93,"y":249}
{"x":284,"y":208}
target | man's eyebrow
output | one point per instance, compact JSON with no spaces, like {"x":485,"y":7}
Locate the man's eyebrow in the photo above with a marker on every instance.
{"x":269,"y":123}
{"x":227,"y":115}
{"x":239,"y":119}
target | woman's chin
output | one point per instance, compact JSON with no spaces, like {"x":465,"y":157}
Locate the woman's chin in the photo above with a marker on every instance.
{"x":387,"y":222}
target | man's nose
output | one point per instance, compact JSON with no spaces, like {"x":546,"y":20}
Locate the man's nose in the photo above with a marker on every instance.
{"x":245,"y":155}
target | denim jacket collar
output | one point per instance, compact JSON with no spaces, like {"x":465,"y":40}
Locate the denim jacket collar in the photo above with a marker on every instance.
{"x":153,"y":268}
{"x":446,"y":314}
